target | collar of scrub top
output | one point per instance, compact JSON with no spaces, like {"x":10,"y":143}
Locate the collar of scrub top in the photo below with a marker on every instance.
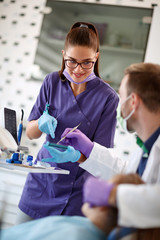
{"x":147,"y":145}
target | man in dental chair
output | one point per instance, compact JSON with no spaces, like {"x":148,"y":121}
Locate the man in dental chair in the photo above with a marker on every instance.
{"x":100,"y":218}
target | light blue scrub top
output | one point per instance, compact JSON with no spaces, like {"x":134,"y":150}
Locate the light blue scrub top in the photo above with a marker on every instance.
{"x":54,"y":228}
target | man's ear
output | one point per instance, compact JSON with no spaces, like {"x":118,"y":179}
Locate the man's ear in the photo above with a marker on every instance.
{"x":135,"y":100}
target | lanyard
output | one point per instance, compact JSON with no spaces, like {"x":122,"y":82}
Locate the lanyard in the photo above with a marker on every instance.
{"x":141,"y":145}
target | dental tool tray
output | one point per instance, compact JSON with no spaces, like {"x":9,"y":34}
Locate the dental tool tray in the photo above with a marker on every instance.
{"x":33,"y":169}
{"x":7,"y":142}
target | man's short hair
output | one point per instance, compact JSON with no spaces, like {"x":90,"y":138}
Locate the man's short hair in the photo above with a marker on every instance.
{"x":144,"y":79}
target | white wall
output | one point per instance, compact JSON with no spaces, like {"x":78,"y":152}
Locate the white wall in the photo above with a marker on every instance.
{"x":20,"y":25}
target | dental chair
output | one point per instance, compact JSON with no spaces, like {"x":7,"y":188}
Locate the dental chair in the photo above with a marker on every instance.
{"x":122,"y":233}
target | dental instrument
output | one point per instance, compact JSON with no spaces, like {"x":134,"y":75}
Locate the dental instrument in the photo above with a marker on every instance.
{"x":20,"y":128}
{"x":69,"y":132}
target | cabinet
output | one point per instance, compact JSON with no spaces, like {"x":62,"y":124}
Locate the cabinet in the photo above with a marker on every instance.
{"x":123,"y":35}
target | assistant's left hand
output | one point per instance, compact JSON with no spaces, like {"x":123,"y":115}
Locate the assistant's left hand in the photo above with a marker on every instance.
{"x":47,"y":124}
{"x":69,"y":155}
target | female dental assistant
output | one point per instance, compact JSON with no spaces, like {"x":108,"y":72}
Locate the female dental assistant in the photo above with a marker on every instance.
{"x":76,"y":94}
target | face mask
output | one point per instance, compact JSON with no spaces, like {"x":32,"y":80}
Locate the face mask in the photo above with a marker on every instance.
{"x":89,"y":78}
{"x":121,"y":120}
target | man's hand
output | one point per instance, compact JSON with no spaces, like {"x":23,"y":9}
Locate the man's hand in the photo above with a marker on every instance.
{"x":96,"y":192}
{"x":78,"y":140}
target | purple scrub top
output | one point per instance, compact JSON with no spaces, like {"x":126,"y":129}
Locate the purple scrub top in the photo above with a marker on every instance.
{"x":95,"y":108}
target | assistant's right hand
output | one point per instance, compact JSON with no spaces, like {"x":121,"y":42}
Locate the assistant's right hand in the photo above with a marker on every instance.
{"x":78,"y":140}
{"x":47,"y":124}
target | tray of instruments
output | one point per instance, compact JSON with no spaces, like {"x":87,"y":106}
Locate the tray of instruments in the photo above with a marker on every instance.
{"x":34,"y":169}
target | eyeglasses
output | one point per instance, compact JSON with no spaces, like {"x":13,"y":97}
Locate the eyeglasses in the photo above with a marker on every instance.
{"x":73,"y":64}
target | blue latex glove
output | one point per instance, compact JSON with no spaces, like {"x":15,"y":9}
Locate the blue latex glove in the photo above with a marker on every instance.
{"x":69,"y":155}
{"x":47,"y":124}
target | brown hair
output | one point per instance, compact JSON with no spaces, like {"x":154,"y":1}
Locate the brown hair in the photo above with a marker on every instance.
{"x":141,"y":234}
{"x":82,"y":34}
{"x":144,"y":79}
{"x":148,"y":234}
